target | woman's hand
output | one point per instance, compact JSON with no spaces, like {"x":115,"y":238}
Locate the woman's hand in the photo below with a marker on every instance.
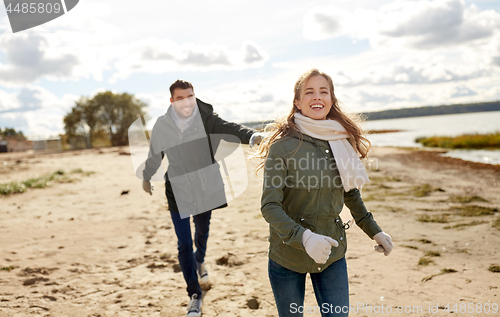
{"x":384,"y":243}
{"x":318,"y":246}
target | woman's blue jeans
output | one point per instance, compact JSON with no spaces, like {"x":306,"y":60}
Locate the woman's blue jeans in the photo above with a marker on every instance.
{"x":331,"y":288}
{"x":187,"y":260}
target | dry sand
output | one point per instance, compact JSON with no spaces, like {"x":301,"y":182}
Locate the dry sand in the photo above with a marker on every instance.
{"x":82,"y":248}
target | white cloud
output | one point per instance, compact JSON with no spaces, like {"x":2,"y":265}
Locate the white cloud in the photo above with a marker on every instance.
{"x":29,"y":100}
{"x":462,"y":91}
{"x":373,"y":81}
{"x":74,"y":46}
{"x":326,"y":22}
{"x":34,"y":110}
{"x":371,"y":98}
{"x":406,"y":24}
{"x":34,"y":123}
{"x":253,"y":54}
{"x":158,"y":102}
{"x":30,"y":56}
{"x":43,"y":123}
{"x":8,"y":101}
{"x":87,"y":42}
{"x":424,"y":41}
{"x":493,"y":93}
{"x":249,"y":100}
{"x":432,"y":24}
{"x":284,"y":65}
{"x":412,"y":72}
{"x":16,"y":121}
{"x":153,"y":55}
{"x":374,"y":98}
{"x":366,"y":97}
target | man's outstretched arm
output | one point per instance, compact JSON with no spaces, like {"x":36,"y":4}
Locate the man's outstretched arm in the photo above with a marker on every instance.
{"x":222,"y":126}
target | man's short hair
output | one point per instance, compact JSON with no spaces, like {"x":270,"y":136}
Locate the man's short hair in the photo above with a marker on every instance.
{"x":180,"y":84}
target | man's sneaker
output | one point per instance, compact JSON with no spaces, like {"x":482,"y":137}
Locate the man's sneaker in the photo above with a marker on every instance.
{"x":194,"y":307}
{"x":202,"y":272}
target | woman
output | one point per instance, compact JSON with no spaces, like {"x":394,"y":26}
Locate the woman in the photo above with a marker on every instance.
{"x":310,"y":172}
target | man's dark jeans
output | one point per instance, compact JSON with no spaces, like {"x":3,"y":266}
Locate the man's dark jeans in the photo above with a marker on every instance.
{"x":187,"y":259}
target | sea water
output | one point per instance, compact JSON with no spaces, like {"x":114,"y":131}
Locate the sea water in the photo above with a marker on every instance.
{"x":443,"y":125}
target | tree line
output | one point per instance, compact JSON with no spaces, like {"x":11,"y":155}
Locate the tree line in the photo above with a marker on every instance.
{"x":12,"y":133}
{"x":105,"y":113}
{"x":432,"y":110}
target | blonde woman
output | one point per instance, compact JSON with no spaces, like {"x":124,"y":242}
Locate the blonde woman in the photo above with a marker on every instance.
{"x":312,"y":168}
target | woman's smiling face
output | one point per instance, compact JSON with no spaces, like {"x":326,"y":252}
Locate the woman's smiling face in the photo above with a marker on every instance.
{"x":315,"y":98}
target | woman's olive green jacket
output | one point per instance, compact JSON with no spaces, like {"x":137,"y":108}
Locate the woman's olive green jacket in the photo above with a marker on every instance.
{"x":302,"y":190}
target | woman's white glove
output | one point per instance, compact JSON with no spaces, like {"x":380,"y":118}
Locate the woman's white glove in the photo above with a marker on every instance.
{"x":384,"y":243}
{"x":318,"y":246}
{"x":148,"y":188}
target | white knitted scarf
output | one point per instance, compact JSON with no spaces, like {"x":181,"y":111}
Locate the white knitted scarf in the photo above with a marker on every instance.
{"x":352,"y":172}
{"x":183,"y":123}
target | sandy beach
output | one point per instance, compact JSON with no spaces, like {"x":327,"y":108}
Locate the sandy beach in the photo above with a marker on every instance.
{"x":96,"y":245}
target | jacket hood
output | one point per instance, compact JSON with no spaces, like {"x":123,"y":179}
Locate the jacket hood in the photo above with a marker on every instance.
{"x":205,"y":108}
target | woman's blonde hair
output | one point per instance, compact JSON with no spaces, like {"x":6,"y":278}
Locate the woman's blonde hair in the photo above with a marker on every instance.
{"x":285,"y":125}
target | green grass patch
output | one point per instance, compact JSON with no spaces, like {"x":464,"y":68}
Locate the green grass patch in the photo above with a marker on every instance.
{"x":467,"y":224}
{"x":375,"y":186}
{"x":36,"y":182}
{"x":382,"y":131}
{"x":410,"y":247}
{"x":381,"y":179}
{"x":383,"y":186}
{"x":466,"y":199}
{"x":496,"y":223}
{"x":395,"y":209}
{"x":425,"y":190}
{"x":426,"y":241}
{"x":9,"y":268}
{"x":432,"y":253}
{"x":80,"y":171}
{"x":372,"y":197}
{"x":443,"y":271}
{"x":424,"y":261}
{"x":436,"y":218}
{"x":465,"y":141}
{"x":19,"y":187}
{"x":432,"y":210}
{"x":494,"y":268}
{"x":476,"y":211}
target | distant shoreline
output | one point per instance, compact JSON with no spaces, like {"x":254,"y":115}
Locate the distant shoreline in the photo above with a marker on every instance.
{"x":412,"y":112}
{"x":432,"y":110}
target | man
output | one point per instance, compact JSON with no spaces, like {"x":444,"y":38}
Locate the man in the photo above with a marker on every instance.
{"x":193,"y":184}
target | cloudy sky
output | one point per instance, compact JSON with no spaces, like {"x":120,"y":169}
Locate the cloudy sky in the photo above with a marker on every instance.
{"x":244,"y":56}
